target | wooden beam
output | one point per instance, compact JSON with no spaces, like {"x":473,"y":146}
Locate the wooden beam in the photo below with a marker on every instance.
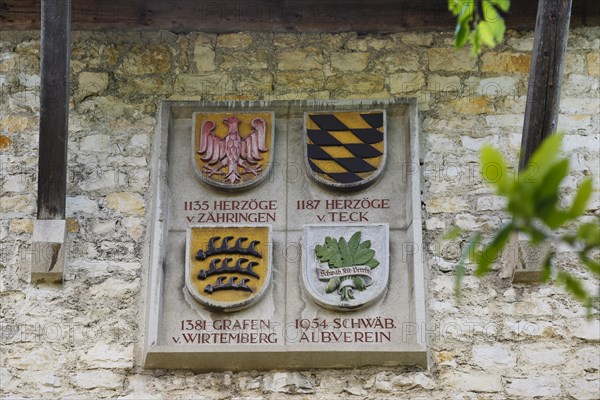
{"x":54,"y":108}
{"x":545,"y":75}
{"x":219,"y":16}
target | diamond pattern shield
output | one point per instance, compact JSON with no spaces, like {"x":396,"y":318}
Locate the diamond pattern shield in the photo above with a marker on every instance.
{"x":345,"y":149}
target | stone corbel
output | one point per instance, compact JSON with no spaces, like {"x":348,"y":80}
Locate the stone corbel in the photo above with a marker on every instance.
{"x":522,"y":261}
{"x":48,"y":251}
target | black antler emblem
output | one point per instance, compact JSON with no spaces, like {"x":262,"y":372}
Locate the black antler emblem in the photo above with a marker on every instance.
{"x":230,"y":285}
{"x":226,"y":269}
{"x":221,"y":266}
{"x":201,"y":255}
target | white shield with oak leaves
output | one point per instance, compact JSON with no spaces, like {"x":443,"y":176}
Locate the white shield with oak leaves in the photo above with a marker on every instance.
{"x":345,"y":267}
{"x":232,"y":150}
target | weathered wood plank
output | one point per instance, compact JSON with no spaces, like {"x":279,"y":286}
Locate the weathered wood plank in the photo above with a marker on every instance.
{"x":377,"y":16}
{"x":54,"y":108}
{"x":545,"y":76}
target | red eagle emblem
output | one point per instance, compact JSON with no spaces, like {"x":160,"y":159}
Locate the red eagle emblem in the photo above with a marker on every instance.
{"x":227,"y":159}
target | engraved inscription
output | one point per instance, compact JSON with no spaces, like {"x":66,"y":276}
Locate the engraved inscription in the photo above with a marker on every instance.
{"x":230,"y":211}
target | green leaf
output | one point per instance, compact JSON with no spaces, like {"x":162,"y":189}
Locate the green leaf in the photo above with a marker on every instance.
{"x":589,"y":233}
{"x":364,"y":245}
{"x":593,"y":266}
{"x":332,"y":285}
{"x":466,"y":12}
{"x":330,"y":242}
{"x":363,"y":256}
{"x":455,"y":6}
{"x":498,"y":28}
{"x":495,"y":21}
{"x":461,"y":34}
{"x":336,"y":261}
{"x":503,"y":5}
{"x":354,"y":242}
{"x":557,"y":218}
{"x":494,"y":170}
{"x":542,"y":159}
{"x":547,"y":267}
{"x":489,"y":31}
{"x":486,"y":35}
{"x":359,"y":283}
{"x":546,"y":194}
{"x":475,"y":43}
{"x":520,"y":202}
{"x":490,"y":12}
{"x":572,"y":285}
{"x":329,"y":253}
{"x":372,"y":263}
{"x":490,"y":252}
{"x":581,"y":198}
{"x":344,"y":252}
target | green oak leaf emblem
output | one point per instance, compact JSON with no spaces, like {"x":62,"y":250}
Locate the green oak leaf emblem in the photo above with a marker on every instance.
{"x":339,"y":253}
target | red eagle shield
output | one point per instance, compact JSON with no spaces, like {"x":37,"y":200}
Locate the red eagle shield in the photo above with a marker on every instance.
{"x":227,"y":158}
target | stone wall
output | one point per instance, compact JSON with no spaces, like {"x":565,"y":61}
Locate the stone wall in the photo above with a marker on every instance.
{"x":82,"y":339}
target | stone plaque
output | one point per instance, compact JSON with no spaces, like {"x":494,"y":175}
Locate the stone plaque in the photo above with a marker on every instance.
{"x":288,"y":237}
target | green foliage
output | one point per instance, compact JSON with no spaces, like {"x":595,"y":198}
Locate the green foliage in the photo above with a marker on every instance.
{"x":342,"y":253}
{"x":533,"y":204}
{"x":478,"y":22}
{"x":329,"y":253}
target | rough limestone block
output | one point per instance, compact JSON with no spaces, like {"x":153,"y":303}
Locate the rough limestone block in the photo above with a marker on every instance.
{"x":522,"y":261}
{"x":48,"y":254}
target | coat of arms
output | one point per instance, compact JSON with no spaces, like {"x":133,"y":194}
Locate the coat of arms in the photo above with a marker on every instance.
{"x":232,"y":150}
{"x":345,"y":266}
{"x":228,"y":268}
{"x":345,"y":149}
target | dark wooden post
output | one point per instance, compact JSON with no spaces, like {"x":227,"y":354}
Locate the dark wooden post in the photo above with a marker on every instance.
{"x":54,"y":108}
{"x":49,"y":230}
{"x":545,"y":75}
{"x":522,"y":261}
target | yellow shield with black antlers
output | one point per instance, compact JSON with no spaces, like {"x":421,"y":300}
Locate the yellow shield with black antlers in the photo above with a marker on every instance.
{"x":232,"y":150}
{"x":228,"y":268}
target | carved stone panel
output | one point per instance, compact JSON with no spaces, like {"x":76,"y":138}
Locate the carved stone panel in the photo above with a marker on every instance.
{"x":285,"y":235}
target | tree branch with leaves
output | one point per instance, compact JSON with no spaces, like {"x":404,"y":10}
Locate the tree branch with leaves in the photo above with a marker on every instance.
{"x":479,"y":22}
{"x":533,"y":205}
